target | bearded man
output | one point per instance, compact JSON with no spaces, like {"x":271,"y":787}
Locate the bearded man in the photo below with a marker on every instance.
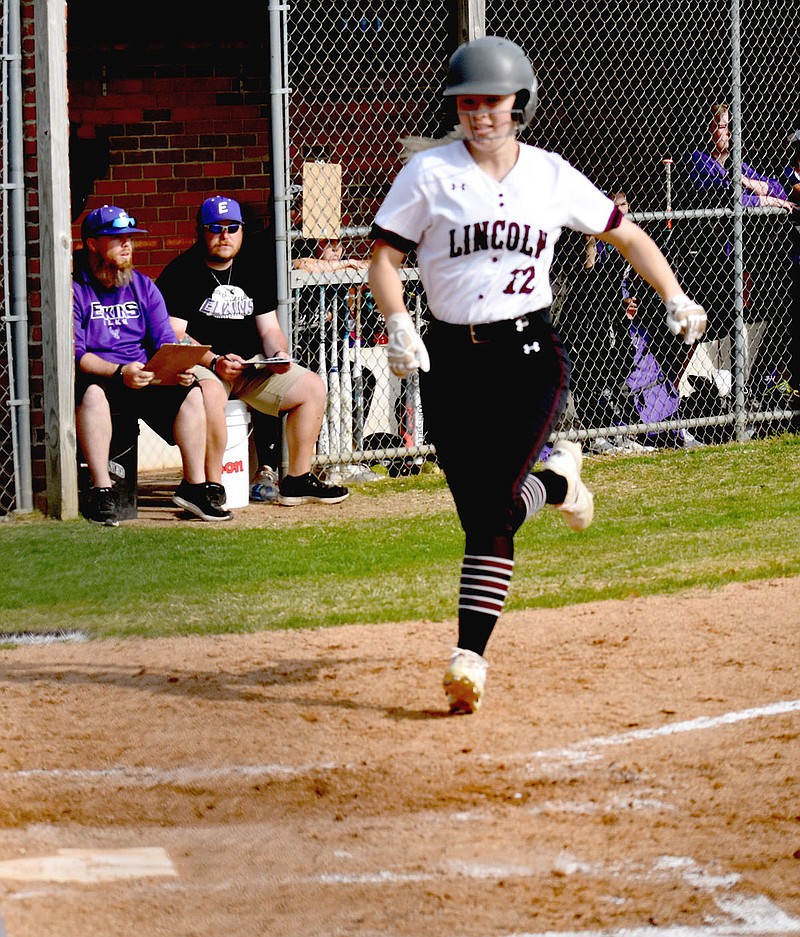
{"x":120,"y":320}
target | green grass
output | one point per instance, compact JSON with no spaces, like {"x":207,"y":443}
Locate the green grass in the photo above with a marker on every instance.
{"x":665,"y":522}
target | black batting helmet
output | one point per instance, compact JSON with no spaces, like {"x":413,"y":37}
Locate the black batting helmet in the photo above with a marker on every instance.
{"x":493,"y":65}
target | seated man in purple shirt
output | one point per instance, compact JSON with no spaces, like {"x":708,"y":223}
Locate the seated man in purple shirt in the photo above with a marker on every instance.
{"x":120,"y":320}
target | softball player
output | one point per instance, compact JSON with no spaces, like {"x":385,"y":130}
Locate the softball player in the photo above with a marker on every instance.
{"x":483,"y":213}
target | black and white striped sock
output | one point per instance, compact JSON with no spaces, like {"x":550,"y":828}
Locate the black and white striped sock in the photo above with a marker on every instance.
{"x":482,"y":595}
{"x":534,"y":495}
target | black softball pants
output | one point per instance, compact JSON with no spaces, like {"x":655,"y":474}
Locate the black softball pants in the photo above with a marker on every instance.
{"x":490,"y":401}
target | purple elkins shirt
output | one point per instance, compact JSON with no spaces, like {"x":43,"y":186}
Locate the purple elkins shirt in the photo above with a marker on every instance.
{"x":120,"y":325}
{"x":706,"y":173}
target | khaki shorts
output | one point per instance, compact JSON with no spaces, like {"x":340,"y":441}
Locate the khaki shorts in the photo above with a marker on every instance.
{"x":262,"y":392}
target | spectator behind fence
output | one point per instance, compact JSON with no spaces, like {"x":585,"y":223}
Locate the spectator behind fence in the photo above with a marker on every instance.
{"x":120,"y":320}
{"x":622,"y":357}
{"x":328,"y":258}
{"x":357,"y":316}
{"x":596,"y":332}
{"x":315,"y":309}
{"x":792,"y":181}
{"x":708,"y":174}
{"x":222,"y":295}
{"x":483,"y":213}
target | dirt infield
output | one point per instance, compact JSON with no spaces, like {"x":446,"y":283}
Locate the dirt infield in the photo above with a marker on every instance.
{"x":635,"y":766}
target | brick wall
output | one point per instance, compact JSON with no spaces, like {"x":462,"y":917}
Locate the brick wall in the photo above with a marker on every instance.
{"x":32,"y":248}
{"x":157,"y":124}
{"x":179,"y":126}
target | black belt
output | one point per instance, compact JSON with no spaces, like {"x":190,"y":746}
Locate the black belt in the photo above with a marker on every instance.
{"x":484,"y":332}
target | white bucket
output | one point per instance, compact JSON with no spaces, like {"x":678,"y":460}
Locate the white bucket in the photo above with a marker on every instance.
{"x":236,"y":461}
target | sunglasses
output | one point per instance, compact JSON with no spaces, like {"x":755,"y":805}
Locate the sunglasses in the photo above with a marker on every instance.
{"x":216,"y":228}
{"x":124,"y":223}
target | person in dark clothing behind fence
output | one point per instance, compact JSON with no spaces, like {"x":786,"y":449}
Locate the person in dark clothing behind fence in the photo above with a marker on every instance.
{"x":792,"y":182}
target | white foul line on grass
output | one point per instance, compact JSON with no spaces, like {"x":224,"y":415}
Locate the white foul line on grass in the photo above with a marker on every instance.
{"x":588,"y":750}
{"x":41,"y":637}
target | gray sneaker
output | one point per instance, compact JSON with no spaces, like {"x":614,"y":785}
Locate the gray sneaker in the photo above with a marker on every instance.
{"x":264,"y":488}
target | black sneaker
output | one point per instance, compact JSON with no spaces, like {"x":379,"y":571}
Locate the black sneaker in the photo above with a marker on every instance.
{"x":217,"y":495}
{"x":299,"y":489}
{"x":103,"y":507}
{"x":195,"y":498}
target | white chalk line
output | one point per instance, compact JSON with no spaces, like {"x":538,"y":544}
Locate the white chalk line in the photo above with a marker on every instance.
{"x":588,"y":749}
{"x":611,"y":805}
{"x":722,"y":930}
{"x":747,"y":915}
{"x":579,"y":752}
{"x":90,"y":866}
{"x":144,"y":776}
{"x":46,"y":637}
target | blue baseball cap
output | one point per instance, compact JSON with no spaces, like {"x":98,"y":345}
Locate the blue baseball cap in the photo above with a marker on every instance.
{"x":220,"y":208}
{"x":109,"y":220}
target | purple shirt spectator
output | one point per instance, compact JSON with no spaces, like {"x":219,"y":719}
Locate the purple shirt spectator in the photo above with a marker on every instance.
{"x":120,"y":325}
{"x":708,"y":175}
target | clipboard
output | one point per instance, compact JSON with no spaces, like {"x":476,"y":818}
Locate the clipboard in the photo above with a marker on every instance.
{"x":172,"y":359}
{"x":259,"y":361}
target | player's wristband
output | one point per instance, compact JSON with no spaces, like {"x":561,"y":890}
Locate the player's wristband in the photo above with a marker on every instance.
{"x":213,"y":365}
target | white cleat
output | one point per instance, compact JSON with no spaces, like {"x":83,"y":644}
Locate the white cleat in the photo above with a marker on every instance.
{"x":566,"y":460}
{"x":464,"y":680}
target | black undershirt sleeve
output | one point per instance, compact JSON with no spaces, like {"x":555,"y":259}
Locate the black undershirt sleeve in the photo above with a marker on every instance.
{"x":392,"y":239}
{"x":614,"y":220}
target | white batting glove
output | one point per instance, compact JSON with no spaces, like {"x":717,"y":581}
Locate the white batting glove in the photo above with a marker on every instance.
{"x":686,"y":317}
{"x":405,"y":350}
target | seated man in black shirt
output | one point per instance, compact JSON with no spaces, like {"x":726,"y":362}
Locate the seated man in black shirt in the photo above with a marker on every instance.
{"x":221,"y":295}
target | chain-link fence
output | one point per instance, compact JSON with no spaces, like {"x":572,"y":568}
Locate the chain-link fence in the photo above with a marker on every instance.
{"x":372,"y":76}
{"x":8,"y":474}
{"x":626,"y":95}
{"x":7,"y":480}
{"x":662,"y":102}
{"x":7,"y":448}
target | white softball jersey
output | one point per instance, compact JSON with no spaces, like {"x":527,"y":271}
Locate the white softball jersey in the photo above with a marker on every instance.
{"x":484,"y":248}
